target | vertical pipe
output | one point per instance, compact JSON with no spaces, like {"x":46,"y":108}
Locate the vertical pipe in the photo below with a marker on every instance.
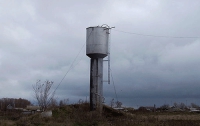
{"x":108,"y":39}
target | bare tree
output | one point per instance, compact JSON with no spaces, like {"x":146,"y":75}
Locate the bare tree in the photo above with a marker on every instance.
{"x":43,"y":94}
{"x":182,"y":106}
{"x":118,"y":104}
{"x":193,"y":105}
{"x":176,"y":105}
{"x":80,"y":101}
{"x":53,"y":102}
{"x":112,"y":103}
{"x":64,"y":102}
{"x":61,"y":103}
{"x":165,"y":107}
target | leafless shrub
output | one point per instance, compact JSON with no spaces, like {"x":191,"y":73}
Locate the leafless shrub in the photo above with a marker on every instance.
{"x":118,"y":104}
{"x":43,"y":95}
{"x":80,"y":101}
{"x":64,"y":102}
{"x":112,"y":103}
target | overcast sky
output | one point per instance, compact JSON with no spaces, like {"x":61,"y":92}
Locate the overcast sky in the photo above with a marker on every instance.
{"x":39,"y":40}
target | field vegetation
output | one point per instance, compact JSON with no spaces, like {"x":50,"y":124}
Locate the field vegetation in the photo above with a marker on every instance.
{"x":79,"y":115}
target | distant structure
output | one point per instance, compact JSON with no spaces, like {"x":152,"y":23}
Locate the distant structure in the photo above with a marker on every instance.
{"x":97,"y":42}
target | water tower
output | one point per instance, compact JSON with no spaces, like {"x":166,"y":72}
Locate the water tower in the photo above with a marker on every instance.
{"x":96,"y":48}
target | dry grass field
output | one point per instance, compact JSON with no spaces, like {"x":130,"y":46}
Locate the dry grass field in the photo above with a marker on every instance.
{"x":79,"y":115}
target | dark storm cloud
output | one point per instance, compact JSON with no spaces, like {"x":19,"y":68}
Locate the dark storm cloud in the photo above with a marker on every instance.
{"x":40,"y":40}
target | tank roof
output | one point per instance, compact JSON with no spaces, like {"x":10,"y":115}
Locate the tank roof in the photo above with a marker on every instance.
{"x":96,"y":27}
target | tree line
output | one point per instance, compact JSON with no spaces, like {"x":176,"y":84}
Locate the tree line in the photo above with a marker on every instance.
{"x":14,"y":103}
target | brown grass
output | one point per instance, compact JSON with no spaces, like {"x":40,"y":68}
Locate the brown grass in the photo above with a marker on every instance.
{"x":79,"y":115}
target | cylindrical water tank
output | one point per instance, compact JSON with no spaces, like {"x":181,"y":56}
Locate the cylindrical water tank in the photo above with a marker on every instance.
{"x":97,"y":42}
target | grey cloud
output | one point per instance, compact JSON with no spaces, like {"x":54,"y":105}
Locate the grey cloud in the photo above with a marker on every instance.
{"x":40,"y":40}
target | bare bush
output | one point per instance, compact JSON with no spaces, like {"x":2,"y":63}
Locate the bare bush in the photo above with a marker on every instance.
{"x":43,"y":94}
{"x":118,"y":104}
{"x":193,"y":105}
{"x":112,"y":103}
{"x":64,"y":102}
